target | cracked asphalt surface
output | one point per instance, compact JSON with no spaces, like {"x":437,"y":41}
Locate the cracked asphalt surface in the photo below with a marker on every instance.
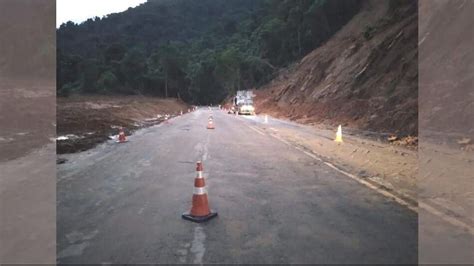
{"x":122,"y":203}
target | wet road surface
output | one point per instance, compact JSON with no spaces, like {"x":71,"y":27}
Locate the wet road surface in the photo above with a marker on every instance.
{"x":122,"y":203}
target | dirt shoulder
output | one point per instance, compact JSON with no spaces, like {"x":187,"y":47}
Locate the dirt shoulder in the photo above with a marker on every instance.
{"x":436,"y":173}
{"x":445,"y":178}
{"x":392,"y":167}
{"x":85,"y":121}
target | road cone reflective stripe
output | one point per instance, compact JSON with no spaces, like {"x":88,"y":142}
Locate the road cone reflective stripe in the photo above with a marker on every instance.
{"x":210,"y":123}
{"x":200,"y":211}
{"x":339,"y":134}
{"x":121,"y":137}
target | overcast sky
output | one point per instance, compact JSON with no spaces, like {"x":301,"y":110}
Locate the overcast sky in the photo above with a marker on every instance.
{"x":80,"y":10}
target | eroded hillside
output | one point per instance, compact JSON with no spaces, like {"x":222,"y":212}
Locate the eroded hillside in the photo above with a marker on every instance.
{"x":364,"y":77}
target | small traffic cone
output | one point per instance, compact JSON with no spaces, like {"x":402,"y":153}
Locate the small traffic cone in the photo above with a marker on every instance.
{"x":121,"y":137}
{"x":200,"y":211}
{"x":210,"y":123}
{"x":339,"y":134}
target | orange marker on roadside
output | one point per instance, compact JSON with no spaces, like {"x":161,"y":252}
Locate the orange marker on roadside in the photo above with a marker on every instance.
{"x":122,"y":137}
{"x":200,"y":211}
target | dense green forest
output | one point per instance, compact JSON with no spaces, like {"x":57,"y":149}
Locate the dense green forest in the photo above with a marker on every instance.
{"x":199,"y":51}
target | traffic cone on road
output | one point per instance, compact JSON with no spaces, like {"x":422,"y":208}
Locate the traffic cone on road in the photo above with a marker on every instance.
{"x":121,"y":137}
{"x":210,"y":123}
{"x":339,"y":134}
{"x":200,"y":211}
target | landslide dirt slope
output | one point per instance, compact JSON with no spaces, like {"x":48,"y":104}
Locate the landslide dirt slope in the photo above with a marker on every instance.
{"x":364,"y":77}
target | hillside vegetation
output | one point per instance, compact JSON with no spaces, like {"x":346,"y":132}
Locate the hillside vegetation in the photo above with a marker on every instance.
{"x":199,"y":51}
{"x":364,"y":77}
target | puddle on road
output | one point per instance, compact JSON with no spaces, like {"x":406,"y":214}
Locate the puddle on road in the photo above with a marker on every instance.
{"x":78,"y":236}
{"x":73,"y":250}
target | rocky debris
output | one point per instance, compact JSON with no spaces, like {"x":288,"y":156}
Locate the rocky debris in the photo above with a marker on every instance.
{"x":405,"y":141}
{"x":464,"y":141}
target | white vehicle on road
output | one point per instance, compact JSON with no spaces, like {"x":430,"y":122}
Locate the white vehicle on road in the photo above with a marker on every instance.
{"x":243,"y":103}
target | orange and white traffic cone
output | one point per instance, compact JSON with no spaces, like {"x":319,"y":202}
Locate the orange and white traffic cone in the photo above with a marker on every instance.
{"x":200,"y":211}
{"x":210,"y":123}
{"x":121,"y":137}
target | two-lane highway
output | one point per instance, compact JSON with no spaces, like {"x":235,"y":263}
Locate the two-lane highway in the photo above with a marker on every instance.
{"x":122,"y":203}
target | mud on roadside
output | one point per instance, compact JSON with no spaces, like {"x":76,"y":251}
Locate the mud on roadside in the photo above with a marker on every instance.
{"x":86,"y":121}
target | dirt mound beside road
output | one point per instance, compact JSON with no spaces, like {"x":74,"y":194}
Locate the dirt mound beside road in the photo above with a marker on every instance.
{"x":85,"y":121}
{"x":365,"y":77}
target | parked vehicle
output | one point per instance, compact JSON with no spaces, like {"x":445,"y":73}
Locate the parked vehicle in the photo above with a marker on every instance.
{"x":243,"y":103}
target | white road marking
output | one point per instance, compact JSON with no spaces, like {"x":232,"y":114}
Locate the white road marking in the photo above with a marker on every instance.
{"x":282,"y":140}
{"x":256,"y":130}
{"x":312,"y":155}
{"x":197,"y":246}
{"x":381,"y":191}
{"x":206,"y":150}
{"x":372,"y":186}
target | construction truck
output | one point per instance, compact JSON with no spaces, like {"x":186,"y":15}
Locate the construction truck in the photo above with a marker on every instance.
{"x":243,"y":103}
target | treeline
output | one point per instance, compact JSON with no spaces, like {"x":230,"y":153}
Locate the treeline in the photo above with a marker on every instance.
{"x":199,"y":51}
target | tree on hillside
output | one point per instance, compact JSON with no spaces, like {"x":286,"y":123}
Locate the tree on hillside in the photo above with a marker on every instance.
{"x":132,"y":68}
{"x":227,"y":71}
{"x":200,"y":51}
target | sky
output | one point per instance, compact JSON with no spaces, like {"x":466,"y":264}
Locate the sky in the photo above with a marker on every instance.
{"x":80,"y":10}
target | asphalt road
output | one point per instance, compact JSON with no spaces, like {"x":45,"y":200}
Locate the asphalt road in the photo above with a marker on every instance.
{"x":122,"y":203}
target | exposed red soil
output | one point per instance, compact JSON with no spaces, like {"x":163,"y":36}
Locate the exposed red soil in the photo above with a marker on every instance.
{"x":365,"y":77}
